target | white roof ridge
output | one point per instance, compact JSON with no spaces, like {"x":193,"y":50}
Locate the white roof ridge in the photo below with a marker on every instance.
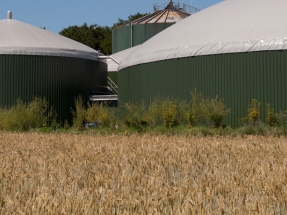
{"x":24,"y":39}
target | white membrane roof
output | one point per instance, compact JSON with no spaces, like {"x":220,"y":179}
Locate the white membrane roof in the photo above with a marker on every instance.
{"x":18,"y":38}
{"x":119,"y":56}
{"x":228,"y":27}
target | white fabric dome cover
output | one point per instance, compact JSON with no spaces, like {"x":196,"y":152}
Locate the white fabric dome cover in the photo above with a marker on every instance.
{"x":19,"y":38}
{"x":227,"y":27}
{"x":119,"y":56}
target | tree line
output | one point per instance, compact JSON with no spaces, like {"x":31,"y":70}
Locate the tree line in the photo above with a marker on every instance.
{"x":95,"y":36}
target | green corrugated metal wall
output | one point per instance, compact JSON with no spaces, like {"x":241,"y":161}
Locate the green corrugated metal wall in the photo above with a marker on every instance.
{"x":121,"y":38}
{"x":113,"y":76}
{"x":237,"y":78}
{"x":58,"y":79}
{"x":141,"y":33}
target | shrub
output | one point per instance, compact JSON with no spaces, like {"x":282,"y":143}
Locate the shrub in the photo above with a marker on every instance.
{"x":272,"y":118}
{"x":284,"y":117}
{"x":170,"y":113}
{"x":206,"y":132}
{"x":212,"y":110}
{"x":134,"y":115}
{"x":190,"y":116}
{"x":79,"y":113}
{"x":54,"y":125}
{"x":66,"y":125}
{"x":197,"y":103}
{"x":258,"y":128}
{"x":215,"y":111}
{"x":281,"y":118}
{"x":253,"y":111}
{"x":22,"y":117}
{"x":153,"y":114}
{"x":38,"y":112}
{"x":101,"y":114}
{"x":184,"y":113}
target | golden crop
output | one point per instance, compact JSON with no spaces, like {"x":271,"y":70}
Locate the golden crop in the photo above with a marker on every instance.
{"x":141,"y":174}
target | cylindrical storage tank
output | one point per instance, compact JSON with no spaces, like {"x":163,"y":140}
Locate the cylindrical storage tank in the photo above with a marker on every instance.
{"x":113,"y":63}
{"x":235,"y":50}
{"x":37,"y":63}
{"x":140,"y":30}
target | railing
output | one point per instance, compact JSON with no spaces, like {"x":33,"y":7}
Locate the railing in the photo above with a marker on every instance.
{"x":112,"y":86}
{"x":180,"y":6}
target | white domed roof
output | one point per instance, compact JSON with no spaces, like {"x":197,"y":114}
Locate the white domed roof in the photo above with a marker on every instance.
{"x":19,"y":38}
{"x":119,"y":56}
{"x":228,"y":27}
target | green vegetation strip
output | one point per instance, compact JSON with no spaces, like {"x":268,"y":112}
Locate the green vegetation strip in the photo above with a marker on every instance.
{"x":199,"y":117}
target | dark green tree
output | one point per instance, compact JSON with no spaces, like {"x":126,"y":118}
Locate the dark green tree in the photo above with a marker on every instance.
{"x":94,"y":36}
{"x":130,"y":18}
{"x":136,"y":16}
{"x":120,"y":22}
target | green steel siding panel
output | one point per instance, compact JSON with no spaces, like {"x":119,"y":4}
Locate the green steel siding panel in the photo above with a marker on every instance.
{"x":281,"y":97}
{"x":237,"y":78}
{"x":144,"y":32}
{"x":138,"y":34}
{"x":121,"y":37}
{"x":113,"y":76}
{"x":58,"y":79}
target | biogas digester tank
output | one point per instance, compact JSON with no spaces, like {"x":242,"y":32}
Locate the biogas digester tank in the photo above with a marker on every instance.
{"x":37,"y":63}
{"x":236,"y":50}
{"x":136,"y":32}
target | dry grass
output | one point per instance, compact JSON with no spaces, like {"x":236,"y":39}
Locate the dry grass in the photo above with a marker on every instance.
{"x":86,"y":174}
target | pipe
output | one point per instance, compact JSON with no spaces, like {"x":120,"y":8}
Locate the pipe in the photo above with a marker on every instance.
{"x":131,"y":33}
{"x":9,"y":14}
{"x":109,"y":57}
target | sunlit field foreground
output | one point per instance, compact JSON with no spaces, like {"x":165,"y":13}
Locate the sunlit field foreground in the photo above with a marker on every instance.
{"x":141,"y":174}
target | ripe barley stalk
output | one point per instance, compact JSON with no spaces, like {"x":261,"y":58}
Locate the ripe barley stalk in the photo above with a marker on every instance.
{"x":141,"y":174}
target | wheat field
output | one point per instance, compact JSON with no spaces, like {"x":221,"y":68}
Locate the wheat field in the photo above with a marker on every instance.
{"x":141,"y":174}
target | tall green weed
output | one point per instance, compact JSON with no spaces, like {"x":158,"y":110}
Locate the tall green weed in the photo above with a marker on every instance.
{"x":79,"y":113}
{"x":101,"y":114}
{"x":22,"y":117}
{"x":212,"y":110}
{"x":170,"y":113}
{"x":254,"y":111}
{"x":272,"y":118}
{"x":135,"y":115}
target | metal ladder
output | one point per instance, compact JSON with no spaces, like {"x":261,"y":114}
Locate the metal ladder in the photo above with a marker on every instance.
{"x":112,"y":86}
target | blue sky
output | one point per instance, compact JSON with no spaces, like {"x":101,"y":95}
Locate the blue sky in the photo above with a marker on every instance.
{"x":58,"y":14}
